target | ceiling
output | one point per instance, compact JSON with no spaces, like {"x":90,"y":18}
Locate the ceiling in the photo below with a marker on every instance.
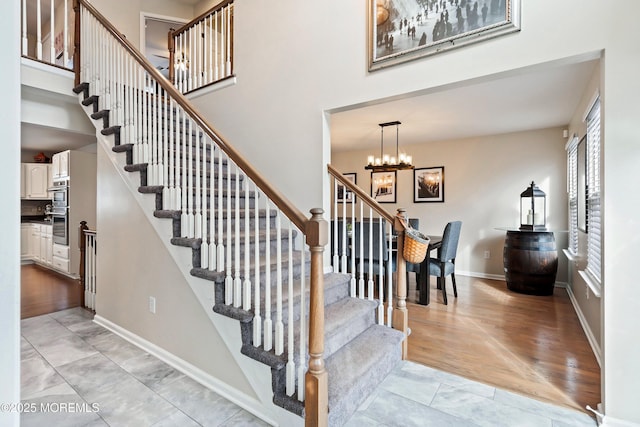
{"x":534,"y":99}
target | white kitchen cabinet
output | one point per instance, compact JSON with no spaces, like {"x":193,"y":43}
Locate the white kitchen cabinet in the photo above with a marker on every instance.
{"x":23,"y":186}
{"x":46,"y":244}
{"x":60,"y":257}
{"x":25,"y":236}
{"x":34,"y":242}
{"x":60,"y":165}
{"x":36,"y":180}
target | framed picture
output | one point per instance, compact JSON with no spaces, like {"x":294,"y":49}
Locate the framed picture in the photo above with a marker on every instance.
{"x":383,"y":186}
{"x":403,"y":30}
{"x":344,"y":195}
{"x":428,"y":184}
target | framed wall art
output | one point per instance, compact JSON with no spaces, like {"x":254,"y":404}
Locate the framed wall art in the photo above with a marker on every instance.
{"x":428,"y":184}
{"x":344,"y":195}
{"x":404,"y":30}
{"x":383,"y":186}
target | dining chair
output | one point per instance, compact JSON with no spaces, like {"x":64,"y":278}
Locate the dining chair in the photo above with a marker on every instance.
{"x":445,"y":263}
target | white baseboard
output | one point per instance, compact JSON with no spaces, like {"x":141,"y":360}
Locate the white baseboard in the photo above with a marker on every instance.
{"x":585,"y":326}
{"x":608,"y":421}
{"x":245,"y":402}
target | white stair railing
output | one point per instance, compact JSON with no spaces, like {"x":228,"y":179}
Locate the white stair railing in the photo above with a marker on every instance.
{"x":200,"y":52}
{"x":88,"y":253}
{"x":220,"y":199}
{"x":46,"y":34}
{"x":363,"y":246}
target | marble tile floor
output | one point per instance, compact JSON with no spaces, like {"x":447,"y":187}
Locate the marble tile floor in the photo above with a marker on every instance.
{"x":81,"y":374}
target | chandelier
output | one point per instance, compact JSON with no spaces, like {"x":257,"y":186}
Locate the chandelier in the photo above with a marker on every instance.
{"x":387,"y":163}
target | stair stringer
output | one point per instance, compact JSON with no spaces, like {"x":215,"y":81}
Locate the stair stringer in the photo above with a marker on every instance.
{"x":257,"y":374}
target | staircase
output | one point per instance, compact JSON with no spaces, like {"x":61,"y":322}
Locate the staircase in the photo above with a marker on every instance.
{"x":251,"y":250}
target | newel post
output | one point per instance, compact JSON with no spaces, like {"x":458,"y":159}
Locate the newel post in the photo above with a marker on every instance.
{"x":400,"y":313}
{"x":172,"y":54}
{"x":316,"y":402}
{"x":76,"y":41}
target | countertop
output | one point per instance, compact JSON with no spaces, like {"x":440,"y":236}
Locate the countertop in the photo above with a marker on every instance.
{"x":34,"y":220}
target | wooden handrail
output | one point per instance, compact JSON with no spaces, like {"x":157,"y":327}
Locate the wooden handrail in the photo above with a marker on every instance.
{"x":291,"y":211}
{"x":360,"y":193}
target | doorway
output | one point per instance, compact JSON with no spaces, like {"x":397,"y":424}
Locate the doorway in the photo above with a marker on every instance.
{"x":154,"y":39}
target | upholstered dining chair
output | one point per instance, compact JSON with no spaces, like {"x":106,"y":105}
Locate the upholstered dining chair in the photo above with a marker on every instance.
{"x":371,"y":238}
{"x":445,"y":263}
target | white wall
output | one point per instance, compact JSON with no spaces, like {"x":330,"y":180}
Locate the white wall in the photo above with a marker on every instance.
{"x":483,"y":179}
{"x":133,"y":265}
{"x":10,"y":214}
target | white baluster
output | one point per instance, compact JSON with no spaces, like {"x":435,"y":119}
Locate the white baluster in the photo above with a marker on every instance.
{"x":246,"y":285}
{"x":216,"y":67}
{"x":228,"y":42}
{"x":52,"y":35}
{"x":352,"y":282}
{"x":228,"y":280}
{"x":25,"y":40}
{"x":381,"y":279}
{"x":389,"y":283}
{"x":279,"y":324}
{"x":343,"y":266}
{"x":291,"y":366}
{"x":336,"y":258}
{"x":268,"y":324}
{"x":38,"y":31}
{"x":184,"y":217}
{"x":371,"y":240}
{"x":204,"y":246}
{"x":205,"y":51}
{"x":361,"y":254}
{"x":198,"y":214}
{"x":257,"y":321}
{"x":237,"y":282}
{"x":212,"y":49}
{"x":302,"y":328}
{"x":65,"y":44}
{"x":212,"y":211}
{"x":220,"y":249}
{"x":168,"y":156}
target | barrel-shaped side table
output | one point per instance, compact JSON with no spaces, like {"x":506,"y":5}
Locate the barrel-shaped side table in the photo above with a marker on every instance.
{"x":530,"y":261}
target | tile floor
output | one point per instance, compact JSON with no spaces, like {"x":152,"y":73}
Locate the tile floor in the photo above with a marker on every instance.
{"x":69,"y":362}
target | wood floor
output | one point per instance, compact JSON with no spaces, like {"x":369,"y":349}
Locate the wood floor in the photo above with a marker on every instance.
{"x":45,"y":291}
{"x":527,"y":344}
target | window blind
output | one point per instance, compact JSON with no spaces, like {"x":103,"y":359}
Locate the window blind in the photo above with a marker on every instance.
{"x":572,"y":189}
{"x":594,"y":235}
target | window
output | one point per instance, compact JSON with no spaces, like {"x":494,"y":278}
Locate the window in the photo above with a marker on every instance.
{"x":594,"y":193}
{"x":593,"y":271}
{"x":572,"y":187}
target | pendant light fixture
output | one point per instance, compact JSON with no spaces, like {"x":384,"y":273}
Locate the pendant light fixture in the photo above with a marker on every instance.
{"x":387,"y":162}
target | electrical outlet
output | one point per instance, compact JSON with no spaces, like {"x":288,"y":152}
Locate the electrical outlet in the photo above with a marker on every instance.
{"x":487,"y":254}
{"x":152,"y":304}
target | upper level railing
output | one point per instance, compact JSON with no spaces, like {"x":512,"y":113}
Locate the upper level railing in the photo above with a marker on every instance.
{"x":201,"y":51}
{"x":47,"y":35}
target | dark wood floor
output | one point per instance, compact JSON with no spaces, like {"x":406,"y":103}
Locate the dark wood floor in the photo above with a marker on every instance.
{"x":527,"y":344}
{"x":45,"y":291}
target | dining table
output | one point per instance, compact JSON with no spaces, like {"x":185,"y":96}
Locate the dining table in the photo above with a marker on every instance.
{"x":435,"y":243}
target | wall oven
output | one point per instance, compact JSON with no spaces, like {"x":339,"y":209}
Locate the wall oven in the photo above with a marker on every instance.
{"x":60,"y":212}
{"x":60,"y":227}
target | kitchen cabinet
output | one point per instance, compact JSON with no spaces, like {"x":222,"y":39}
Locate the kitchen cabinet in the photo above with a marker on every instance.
{"x":34,"y":242}
{"x":36,"y":181}
{"x":46,"y":244}
{"x":25,"y":236}
{"x":60,"y":165}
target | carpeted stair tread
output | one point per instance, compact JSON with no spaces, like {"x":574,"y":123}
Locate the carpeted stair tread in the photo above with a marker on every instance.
{"x":175,"y":214}
{"x":357,"y":369}
{"x":196,"y":242}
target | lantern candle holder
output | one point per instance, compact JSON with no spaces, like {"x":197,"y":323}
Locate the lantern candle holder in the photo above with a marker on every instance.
{"x":533,"y":209}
